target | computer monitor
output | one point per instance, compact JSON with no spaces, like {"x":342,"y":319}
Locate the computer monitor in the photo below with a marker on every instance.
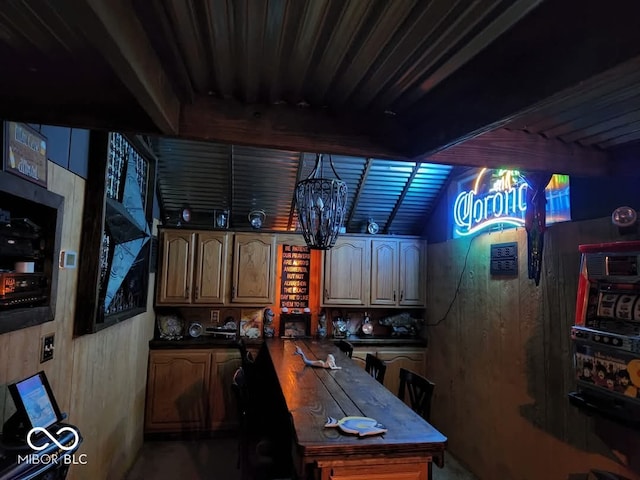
{"x":35,"y":401}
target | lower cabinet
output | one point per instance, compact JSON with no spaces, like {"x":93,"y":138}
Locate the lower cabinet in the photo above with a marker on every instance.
{"x":190,"y":390}
{"x":410,"y":358}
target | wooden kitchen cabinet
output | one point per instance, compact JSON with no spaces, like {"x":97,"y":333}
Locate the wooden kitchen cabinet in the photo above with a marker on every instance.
{"x":360,"y":355}
{"x":412,"y":273}
{"x":384,"y":272}
{"x":178,"y":385}
{"x":193,"y":268}
{"x":346,"y":272}
{"x":189,"y":390}
{"x":254,"y":269}
{"x":411,"y":358}
{"x":398,"y":270}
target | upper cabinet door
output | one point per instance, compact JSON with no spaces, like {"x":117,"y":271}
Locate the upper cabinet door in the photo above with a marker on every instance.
{"x":412,"y":273}
{"x":384,"y":272}
{"x":346,"y":272}
{"x":254,"y":269}
{"x":176,"y":267}
{"x":211,"y":268}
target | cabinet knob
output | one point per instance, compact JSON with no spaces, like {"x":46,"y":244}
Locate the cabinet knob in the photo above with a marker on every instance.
{"x":394,"y":295}
{"x":326,"y":294}
{"x":401,"y":295}
{"x":196,"y":291}
{"x":186,"y":292}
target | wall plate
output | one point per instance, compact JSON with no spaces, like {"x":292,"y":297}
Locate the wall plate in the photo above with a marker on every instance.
{"x":68,"y":259}
{"x":504,"y":259}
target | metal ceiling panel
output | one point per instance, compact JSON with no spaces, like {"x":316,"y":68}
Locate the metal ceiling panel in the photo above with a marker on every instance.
{"x":208,"y":176}
{"x":194,"y":174}
{"x":420,"y":198}
{"x":263,"y":180}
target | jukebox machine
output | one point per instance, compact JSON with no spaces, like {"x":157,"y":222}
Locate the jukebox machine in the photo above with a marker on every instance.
{"x":606,"y":334}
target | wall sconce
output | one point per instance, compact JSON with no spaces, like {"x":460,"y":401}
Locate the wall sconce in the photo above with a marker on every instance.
{"x":221,"y":219}
{"x":257,"y":218}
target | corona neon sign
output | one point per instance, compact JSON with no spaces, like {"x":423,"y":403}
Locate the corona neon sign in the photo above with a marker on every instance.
{"x":498,"y":198}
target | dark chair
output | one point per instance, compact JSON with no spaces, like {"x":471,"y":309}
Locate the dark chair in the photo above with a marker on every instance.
{"x":375,"y":367}
{"x":245,"y":355}
{"x":258,"y":457}
{"x":420,"y":392}
{"x":346,"y":347}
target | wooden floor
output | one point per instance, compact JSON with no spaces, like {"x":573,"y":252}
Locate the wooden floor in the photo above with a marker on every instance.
{"x":215,"y":459}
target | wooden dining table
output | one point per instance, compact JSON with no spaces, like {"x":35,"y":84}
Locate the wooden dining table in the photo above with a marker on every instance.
{"x":312,"y":394}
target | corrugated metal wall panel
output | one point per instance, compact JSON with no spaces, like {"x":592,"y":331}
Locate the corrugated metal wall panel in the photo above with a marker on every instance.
{"x":208,"y":176}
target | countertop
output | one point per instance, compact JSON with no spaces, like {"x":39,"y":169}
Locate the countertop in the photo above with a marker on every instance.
{"x":212,"y":342}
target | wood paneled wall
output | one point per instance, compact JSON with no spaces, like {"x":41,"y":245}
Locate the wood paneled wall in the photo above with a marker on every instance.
{"x":501,"y":360}
{"x":99,"y":379}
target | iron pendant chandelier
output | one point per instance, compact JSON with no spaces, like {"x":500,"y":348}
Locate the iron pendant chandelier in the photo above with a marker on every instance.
{"x":321,"y":204}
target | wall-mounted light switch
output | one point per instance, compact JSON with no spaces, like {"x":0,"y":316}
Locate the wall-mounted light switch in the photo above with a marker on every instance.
{"x":46,"y":350}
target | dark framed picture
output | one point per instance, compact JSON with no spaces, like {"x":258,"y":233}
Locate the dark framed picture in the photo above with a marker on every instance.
{"x":295,"y":325}
{"x":25,"y":153}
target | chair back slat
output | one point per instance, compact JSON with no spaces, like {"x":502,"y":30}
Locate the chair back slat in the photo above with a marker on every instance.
{"x":375,"y":367}
{"x":346,"y":348}
{"x":420,"y":392}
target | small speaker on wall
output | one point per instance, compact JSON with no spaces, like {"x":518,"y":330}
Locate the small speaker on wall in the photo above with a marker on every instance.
{"x":504,"y":259}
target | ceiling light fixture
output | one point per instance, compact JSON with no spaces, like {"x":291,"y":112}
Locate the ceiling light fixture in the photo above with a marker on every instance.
{"x":257,"y":218}
{"x":321,"y":205}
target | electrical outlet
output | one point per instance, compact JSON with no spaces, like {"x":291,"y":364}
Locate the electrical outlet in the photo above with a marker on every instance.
{"x":46,"y":350}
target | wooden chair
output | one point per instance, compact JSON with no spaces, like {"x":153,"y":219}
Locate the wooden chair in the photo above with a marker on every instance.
{"x":346,"y":348}
{"x":375,"y":367}
{"x":420,"y":392}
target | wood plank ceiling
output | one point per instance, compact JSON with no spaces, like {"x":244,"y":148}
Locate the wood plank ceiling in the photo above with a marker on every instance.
{"x":237,"y":96}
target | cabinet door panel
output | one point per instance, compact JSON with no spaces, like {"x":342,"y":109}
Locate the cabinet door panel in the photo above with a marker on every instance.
{"x":174,"y":283}
{"x":254,"y":265}
{"x":211,"y":268}
{"x":384,"y":272}
{"x":346,"y":272}
{"x":412,"y":273}
{"x":178,"y":387}
{"x":360,"y":355}
{"x":223,"y":408}
{"x":414,"y":360}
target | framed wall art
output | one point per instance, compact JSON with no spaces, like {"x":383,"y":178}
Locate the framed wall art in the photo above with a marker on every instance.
{"x":25,"y":153}
{"x":295,"y":325}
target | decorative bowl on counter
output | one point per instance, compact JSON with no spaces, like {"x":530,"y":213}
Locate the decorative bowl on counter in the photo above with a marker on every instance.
{"x":171,"y":327}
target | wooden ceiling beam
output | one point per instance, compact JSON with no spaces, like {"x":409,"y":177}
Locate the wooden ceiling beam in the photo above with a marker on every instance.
{"x":581,"y":39}
{"x":111,"y":26}
{"x":524,"y":151}
{"x":289,"y":128}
